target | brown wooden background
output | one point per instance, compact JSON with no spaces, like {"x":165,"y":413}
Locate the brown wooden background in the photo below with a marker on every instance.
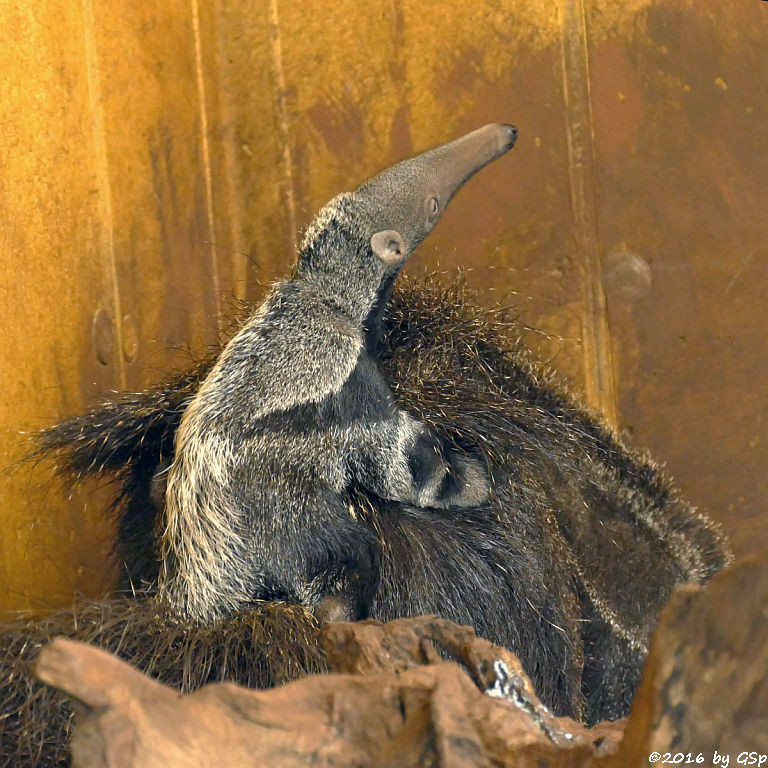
{"x":147,"y":147}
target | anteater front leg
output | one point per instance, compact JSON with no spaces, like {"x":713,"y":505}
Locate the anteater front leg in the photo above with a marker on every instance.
{"x":397,"y":457}
{"x":402,"y":459}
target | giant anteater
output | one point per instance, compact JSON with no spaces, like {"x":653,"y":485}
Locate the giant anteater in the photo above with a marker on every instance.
{"x":567,"y":562}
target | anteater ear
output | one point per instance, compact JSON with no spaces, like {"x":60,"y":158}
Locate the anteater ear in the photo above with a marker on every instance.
{"x":389,"y":246}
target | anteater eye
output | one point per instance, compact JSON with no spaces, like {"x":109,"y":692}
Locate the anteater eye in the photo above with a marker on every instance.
{"x":432,"y":206}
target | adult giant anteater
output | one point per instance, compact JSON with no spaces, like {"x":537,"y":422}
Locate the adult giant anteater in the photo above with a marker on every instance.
{"x":566,"y":561}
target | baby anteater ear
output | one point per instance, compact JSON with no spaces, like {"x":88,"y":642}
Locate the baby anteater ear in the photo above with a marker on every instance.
{"x":389,"y":246}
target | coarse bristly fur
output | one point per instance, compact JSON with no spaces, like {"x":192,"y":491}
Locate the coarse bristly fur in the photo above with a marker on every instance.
{"x":568,"y":560}
{"x":270,"y":644}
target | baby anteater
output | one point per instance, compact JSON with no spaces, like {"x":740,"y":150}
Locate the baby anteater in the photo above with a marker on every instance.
{"x":295,"y":412}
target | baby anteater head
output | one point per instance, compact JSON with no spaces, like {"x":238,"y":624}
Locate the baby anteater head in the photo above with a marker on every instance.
{"x":361,"y":238}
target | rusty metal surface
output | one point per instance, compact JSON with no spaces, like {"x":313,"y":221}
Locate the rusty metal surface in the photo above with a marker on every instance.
{"x":159,"y":157}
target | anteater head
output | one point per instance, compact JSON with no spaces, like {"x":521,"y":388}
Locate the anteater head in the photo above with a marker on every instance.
{"x":404,"y":202}
{"x":360,"y":238}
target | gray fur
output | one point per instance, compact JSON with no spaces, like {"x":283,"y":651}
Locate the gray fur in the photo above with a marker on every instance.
{"x":257,"y":507}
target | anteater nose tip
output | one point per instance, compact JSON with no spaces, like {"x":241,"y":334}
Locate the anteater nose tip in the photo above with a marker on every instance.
{"x":511,"y":135}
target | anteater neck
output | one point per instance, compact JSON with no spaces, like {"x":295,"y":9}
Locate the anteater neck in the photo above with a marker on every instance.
{"x":340,"y":266}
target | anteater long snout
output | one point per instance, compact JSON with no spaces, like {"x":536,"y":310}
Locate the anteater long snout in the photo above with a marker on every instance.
{"x":452,"y":164}
{"x":411,"y":196}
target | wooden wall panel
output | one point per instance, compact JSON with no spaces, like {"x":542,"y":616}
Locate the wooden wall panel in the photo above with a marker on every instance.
{"x":252,"y":180}
{"x":160,"y":157}
{"x":53,"y":283}
{"x":107,"y":221}
{"x":148,"y":117}
{"x":681,"y":108}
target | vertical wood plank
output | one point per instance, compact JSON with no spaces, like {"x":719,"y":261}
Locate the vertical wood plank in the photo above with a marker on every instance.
{"x":582,"y":173}
{"x":153,"y":104}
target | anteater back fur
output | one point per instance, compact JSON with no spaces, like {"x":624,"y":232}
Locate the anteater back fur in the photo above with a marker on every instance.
{"x":568,"y":564}
{"x":269,"y":645}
